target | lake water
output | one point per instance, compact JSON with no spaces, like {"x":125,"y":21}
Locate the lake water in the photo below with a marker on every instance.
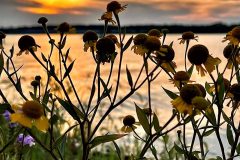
{"x":84,"y":69}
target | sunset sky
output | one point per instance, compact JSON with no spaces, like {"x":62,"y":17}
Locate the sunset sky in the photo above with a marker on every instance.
{"x":26,"y":12}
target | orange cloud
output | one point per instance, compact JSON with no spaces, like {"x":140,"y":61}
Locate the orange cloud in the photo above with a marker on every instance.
{"x":58,"y":6}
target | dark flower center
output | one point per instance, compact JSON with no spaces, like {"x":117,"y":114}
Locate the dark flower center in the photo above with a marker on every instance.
{"x":154,"y":32}
{"x":152,"y":43}
{"x":32,"y":109}
{"x":235,"y":90}
{"x":198,"y":54}
{"x":188,"y":92}
{"x":166,"y":53}
{"x":90,"y":36}
{"x":113,"y":6}
{"x":228,"y":50}
{"x":181,"y":76}
{"x":140,"y":39}
{"x":26,"y":42}
{"x":128,"y":120}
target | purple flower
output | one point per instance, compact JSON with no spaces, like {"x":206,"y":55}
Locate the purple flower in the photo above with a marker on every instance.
{"x":26,"y":140}
{"x":6,"y":116}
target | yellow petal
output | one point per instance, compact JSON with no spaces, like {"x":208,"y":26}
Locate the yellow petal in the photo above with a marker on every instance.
{"x":41,"y":123}
{"x":21,"y":119}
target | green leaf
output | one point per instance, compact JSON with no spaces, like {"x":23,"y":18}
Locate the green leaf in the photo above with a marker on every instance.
{"x":221,"y":90}
{"x":5,"y":106}
{"x":208,"y":89}
{"x":66,"y":55}
{"x":209,"y":132}
{"x":171,"y":44}
{"x":44,"y":58}
{"x":190,"y":70}
{"x":129,"y":77}
{"x":117,"y":150}
{"x":142,"y":117}
{"x":170,"y":93}
{"x":128,"y":43}
{"x":69,"y":108}
{"x":106,"y":90}
{"x":229,"y":135}
{"x":106,"y":138}
{"x":68,"y":70}
{"x":46,"y":97}
{"x":225,"y":117}
{"x":1,"y":63}
{"x":178,"y":149}
{"x":238,"y":148}
{"x":211,"y":115}
{"x":156,"y":123}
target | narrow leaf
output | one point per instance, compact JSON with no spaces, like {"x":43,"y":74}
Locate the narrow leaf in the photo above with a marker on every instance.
{"x":129,"y":77}
{"x":117,"y":150}
{"x":142,"y":117}
{"x":190,"y":70}
{"x":209,"y":132}
{"x":156,"y":123}
{"x":170,"y":93}
{"x":44,"y":58}
{"x":178,"y":149}
{"x":106,"y":138}
{"x":69,"y":108}
{"x":128,"y":43}
{"x":229,"y":135}
{"x":68,"y":70}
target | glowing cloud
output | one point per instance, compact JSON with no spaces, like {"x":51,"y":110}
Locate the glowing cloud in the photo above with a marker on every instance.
{"x":57,"y":6}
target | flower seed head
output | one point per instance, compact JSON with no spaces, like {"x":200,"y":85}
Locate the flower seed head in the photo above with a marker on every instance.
{"x":188,"y":35}
{"x":38,"y":78}
{"x":35,"y":83}
{"x":90,"y":36}
{"x":64,"y":27}
{"x":236,"y":32}
{"x":128,"y":120}
{"x":166,"y":53}
{"x":105,"y":45}
{"x":32,"y":109}
{"x":140,"y":39}
{"x":155,"y":32}
{"x":152,"y":43}
{"x":113,"y":38}
{"x":26,"y":42}
{"x":198,"y":54}
{"x":181,"y":76}
{"x":235,"y":90}
{"x":113,"y":6}
{"x":42,"y":20}
{"x":228,"y":50}
{"x":200,"y":103}
{"x":188,"y":92}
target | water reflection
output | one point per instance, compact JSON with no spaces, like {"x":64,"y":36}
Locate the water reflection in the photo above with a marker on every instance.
{"x":83,"y":73}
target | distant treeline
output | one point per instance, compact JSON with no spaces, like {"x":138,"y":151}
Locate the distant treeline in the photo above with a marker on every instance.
{"x":214,"y":28}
